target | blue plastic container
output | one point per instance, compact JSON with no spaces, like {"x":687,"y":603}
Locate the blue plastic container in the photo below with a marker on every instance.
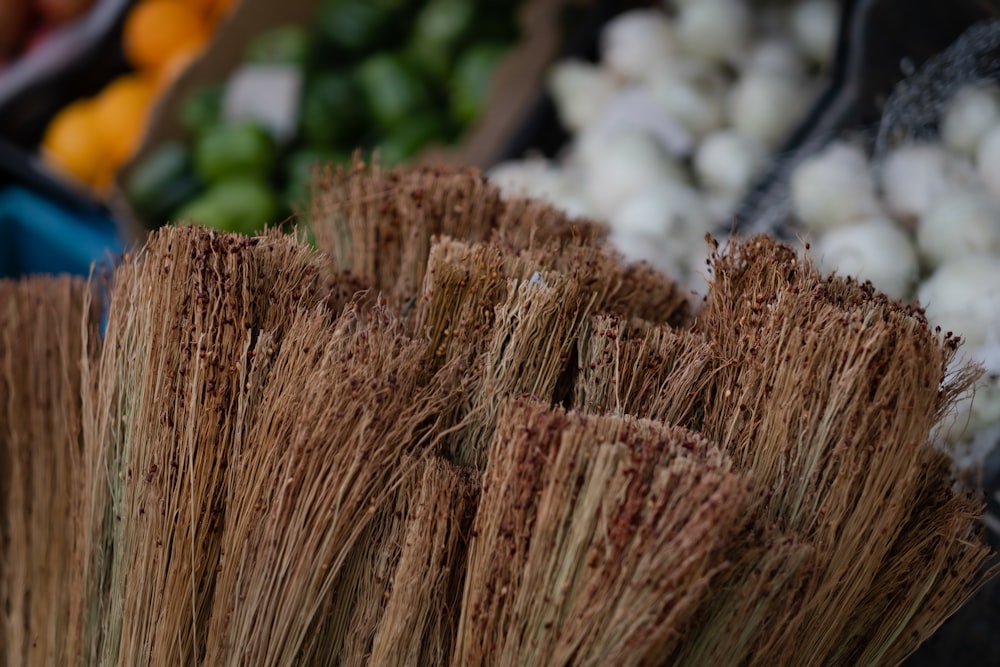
{"x":46,"y":227}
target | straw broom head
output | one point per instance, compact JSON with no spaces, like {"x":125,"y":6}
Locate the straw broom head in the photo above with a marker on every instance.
{"x":46,"y":328}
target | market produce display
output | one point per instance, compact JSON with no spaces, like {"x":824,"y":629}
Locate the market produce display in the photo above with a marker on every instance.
{"x":686,"y":104}
{"x":91,"y":138}
{"x":392,"y":76}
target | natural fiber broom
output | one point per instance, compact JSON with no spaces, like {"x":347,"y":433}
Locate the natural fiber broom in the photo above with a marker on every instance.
{"x":275,"y":440}
{"x":596,"y":540}
{"x":162,"y":420}
{"x":826,"y":393}
{"x":41,"y":346}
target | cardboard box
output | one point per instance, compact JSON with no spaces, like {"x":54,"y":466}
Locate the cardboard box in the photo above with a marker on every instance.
{"x":515,"y":88}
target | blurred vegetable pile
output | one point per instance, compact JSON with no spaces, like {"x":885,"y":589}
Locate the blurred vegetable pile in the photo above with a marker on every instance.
{"x":389,"y":75}
{"x":91,"y":138}
{"x":688,"y":101}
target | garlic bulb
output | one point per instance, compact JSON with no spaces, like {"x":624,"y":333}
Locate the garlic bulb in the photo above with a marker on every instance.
{"x":526,"y":178}
{"x":693,"y":99}
{"x":581,"y":91}
{"x":834,"y":187}
{"x":969,"y":115}
{"x":875,"y":250}
{"x":726,"y":161}
{"x":776,"y":56}
{"x":767,"y":106}
{"x":915,"y":175}
{"x":963,"y":296}
{"x":716,"y":30}
{"x":635,"y":41}
{"x":620,"y":165}
{"x":814,"y":27}
{"x":960,"y":223}
{"x":988,"y":160}
{"x":666,"y":229}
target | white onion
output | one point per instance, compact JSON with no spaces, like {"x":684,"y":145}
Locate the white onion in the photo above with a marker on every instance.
{"x":693,"y":99}
{"x":833,"y":187}
{"x":988,"y":160}
{"x":581,"y":91}
{"x":960,"y":223}
{"x":654,"y":250}
{"x":969,"y":115}
{"x":814,"y":27}
{"x":915,"y":175}
{"x":716,"y":30}
{"x":875,"y":250}
{"x":635,"y":41}
{"x":674,"y":212}
{"x":727,"y":161}
{"x":963,"y":296}
{"x":767,"y":106}
{"x":974,"y":413}
{"x":621,"y":165}
{"x":526,"y":178}
{"x":775,"y":55}
{"x":673,"y":218}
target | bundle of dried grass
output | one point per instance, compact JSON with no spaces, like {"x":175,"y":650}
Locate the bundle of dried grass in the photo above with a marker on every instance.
{"x":340,"y":413}
{"x":41,"y":346}
{"x":419,"y":623}
{"x":630,"y":368}
{"x":262,"y":479}
{"x":826,"y":393}
{"x":596,"y":541}
{"x":161,"y":420}
{"x":380,"y":225}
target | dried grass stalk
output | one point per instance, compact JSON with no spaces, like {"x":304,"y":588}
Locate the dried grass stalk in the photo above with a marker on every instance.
{"x":755,"y":613}
{"x":826,"y":392}
{"x":595,"y":542}
{"x":379,"y":224}
{"x":160,"y":425}
{"x":857,"y":463}
{"x":628,"y":291}
{"x":340,"y":415}
{"x":352,"y":611}
{"x":510,"y":323}
{"x":629,"y":368}
{"x":420,"y":619}
{"x":42,"y":325}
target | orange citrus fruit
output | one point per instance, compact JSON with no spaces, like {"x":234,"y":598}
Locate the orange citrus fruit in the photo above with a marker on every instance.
{"x":120,"y":113}
{"x":173,"y":68}
{"x":214,"y":10}
{"x":72,"y":144}
{"x":157,"y":30}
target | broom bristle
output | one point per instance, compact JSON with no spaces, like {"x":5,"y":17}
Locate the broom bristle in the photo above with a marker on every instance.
{"x":379,"y":224}
{"x":341,"y":411}
{"x":278,"y":468}
{"x":826,"y":393}
{"x":162,"y":423}
{"x":41,"y":347}
{"x":596,"y":540}
{"x":419,"y":622}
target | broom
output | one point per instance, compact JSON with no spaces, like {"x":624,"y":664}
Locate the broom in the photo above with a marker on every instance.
{"x":306,"y":462}
{"x":41,"y":346}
